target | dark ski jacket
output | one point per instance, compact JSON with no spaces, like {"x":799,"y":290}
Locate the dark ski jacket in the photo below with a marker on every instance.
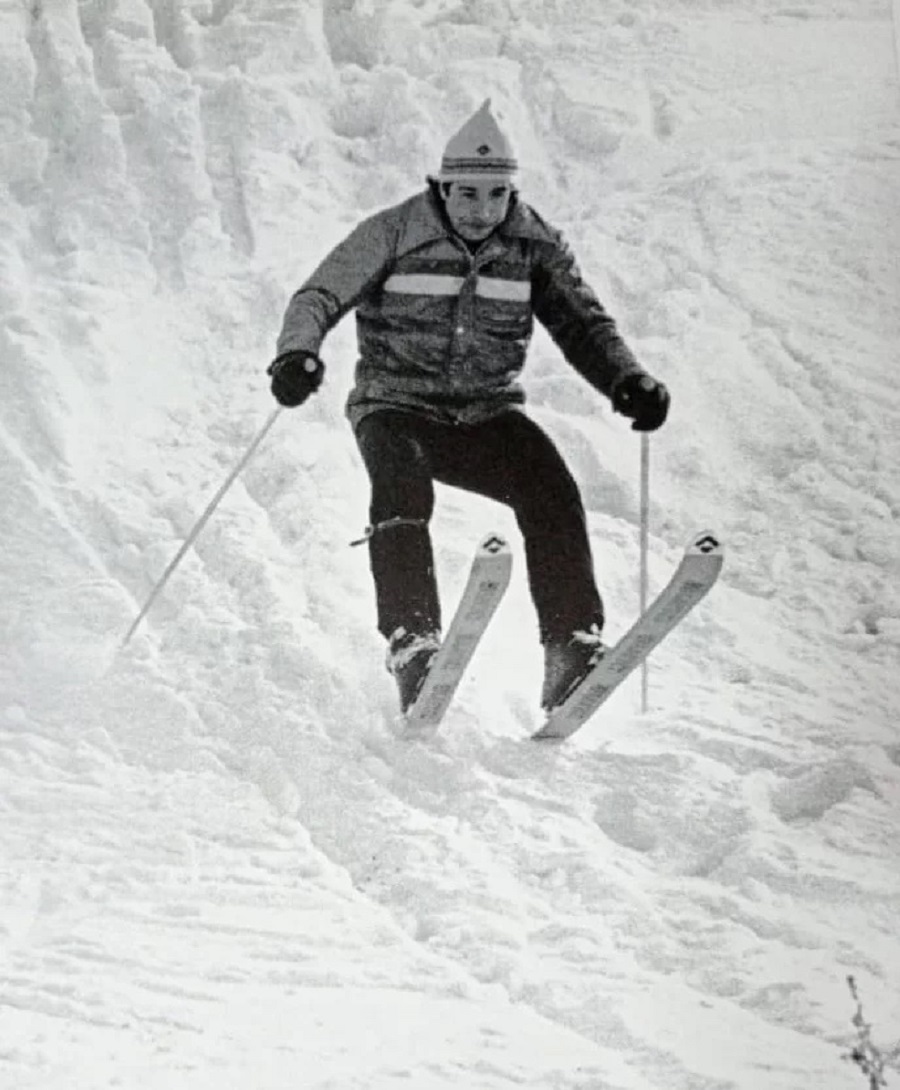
{"x":445,"y":331}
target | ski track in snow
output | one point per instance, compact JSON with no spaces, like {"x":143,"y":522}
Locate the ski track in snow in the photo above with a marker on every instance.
{"x":218,"y":862}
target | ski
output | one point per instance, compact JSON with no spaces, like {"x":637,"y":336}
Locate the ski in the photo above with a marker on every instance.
{"x":488,"y":580}
{"x":695,"y":575}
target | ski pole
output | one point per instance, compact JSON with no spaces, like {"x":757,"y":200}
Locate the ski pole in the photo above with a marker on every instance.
{"x":201,"y":522}
{"x":645,"y":540}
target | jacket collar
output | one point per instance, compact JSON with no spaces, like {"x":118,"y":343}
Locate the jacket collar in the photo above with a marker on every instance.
{"x":426,"y":222}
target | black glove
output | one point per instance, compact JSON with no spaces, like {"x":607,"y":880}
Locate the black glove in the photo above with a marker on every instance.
{"x":295,"y":375}
{"x":643,"y":400}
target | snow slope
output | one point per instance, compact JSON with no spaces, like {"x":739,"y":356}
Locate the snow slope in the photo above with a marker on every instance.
{"x":218,"y":864}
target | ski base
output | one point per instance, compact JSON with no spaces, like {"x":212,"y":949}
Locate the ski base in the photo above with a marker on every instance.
{"x":693,"y":578}
{"x":488,"y":579}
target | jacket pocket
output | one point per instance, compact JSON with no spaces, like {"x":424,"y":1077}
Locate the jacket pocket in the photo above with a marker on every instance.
{"x":508,"y":320}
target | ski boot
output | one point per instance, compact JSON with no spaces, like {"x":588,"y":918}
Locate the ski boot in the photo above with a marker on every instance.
{"x":567,"y":662}
{"x":409,"y":659}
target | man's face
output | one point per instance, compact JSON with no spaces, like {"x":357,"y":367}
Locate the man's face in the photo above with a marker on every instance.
{"x":476,"y":208}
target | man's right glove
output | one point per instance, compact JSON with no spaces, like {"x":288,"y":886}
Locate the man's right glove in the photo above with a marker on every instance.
{"x":643,"y":400}
{"x":295,"y":375}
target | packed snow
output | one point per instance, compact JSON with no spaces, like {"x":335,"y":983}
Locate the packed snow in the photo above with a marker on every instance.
{"x":219,"y":864}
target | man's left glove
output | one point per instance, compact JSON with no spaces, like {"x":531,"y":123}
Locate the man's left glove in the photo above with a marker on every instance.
{"x":295,"y":375}
{"x":643,"y":400}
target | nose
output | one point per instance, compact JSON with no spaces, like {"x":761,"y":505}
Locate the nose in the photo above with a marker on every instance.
{"x":484,"y":221}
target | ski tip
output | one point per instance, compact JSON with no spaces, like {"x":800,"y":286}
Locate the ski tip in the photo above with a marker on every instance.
{"x":706,"y":543}
{"x":493,"y":545}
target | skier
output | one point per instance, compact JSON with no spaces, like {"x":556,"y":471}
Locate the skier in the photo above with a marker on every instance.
{"x":446,"y":286}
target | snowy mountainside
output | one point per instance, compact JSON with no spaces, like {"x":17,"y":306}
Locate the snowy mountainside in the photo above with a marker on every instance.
{"x":216,"y":859}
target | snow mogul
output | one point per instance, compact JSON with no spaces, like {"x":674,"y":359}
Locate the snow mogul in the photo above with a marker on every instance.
{"x":446,"y":286}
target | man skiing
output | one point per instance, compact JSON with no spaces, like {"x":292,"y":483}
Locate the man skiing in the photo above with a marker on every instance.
{"x":446,"y":286}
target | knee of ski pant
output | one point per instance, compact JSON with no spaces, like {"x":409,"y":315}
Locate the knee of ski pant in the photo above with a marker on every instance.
{"x":400,"y":477}
{"x":552,"y":513}
{"x":398,"y":494}
{"x":546,"y":500}
{"x":540,"y":487}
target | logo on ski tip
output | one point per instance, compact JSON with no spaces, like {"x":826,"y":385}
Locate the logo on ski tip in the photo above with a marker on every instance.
{"x":494,"y":545}
{"x":707,"y":543}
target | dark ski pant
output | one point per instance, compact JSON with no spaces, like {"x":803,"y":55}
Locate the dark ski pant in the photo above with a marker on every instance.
{"x":508,"y":458}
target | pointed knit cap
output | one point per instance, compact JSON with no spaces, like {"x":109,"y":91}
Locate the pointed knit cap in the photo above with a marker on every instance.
{"x":479,"y":151}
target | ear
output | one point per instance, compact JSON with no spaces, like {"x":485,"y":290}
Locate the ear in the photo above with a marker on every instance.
{"x":437,"y":187}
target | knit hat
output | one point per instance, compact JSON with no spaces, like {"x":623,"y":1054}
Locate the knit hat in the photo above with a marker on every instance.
{"x":479,"y":151}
